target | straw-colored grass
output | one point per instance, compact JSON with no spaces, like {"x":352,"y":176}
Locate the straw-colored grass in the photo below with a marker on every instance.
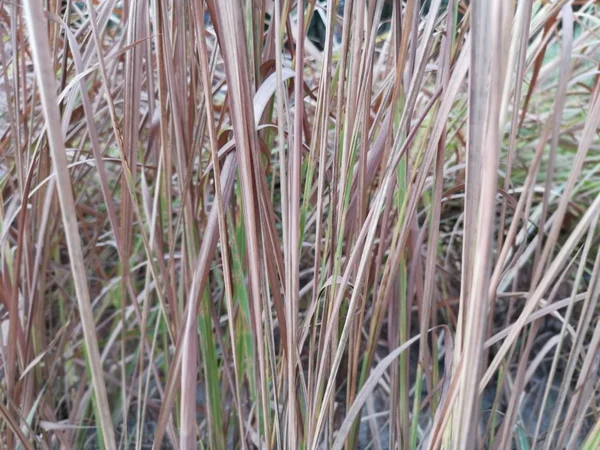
{"x":319,"y":224}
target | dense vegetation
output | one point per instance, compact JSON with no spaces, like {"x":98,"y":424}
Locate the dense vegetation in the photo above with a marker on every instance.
{"x":238,"y":224}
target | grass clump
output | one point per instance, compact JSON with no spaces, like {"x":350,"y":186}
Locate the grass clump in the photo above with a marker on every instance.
{"x":300,"y":225}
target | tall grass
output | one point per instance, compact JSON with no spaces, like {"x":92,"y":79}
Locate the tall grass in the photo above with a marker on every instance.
{"x":300,"y":224}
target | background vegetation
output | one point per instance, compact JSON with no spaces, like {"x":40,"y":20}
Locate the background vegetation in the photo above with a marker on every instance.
{"x":243,"y":224}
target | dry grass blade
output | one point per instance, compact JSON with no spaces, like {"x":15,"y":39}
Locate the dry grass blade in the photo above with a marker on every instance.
{"x":482,"y":166}
{"x":46,"y":81}
{"x":14,"y":427}
{"x":232,"y":45}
